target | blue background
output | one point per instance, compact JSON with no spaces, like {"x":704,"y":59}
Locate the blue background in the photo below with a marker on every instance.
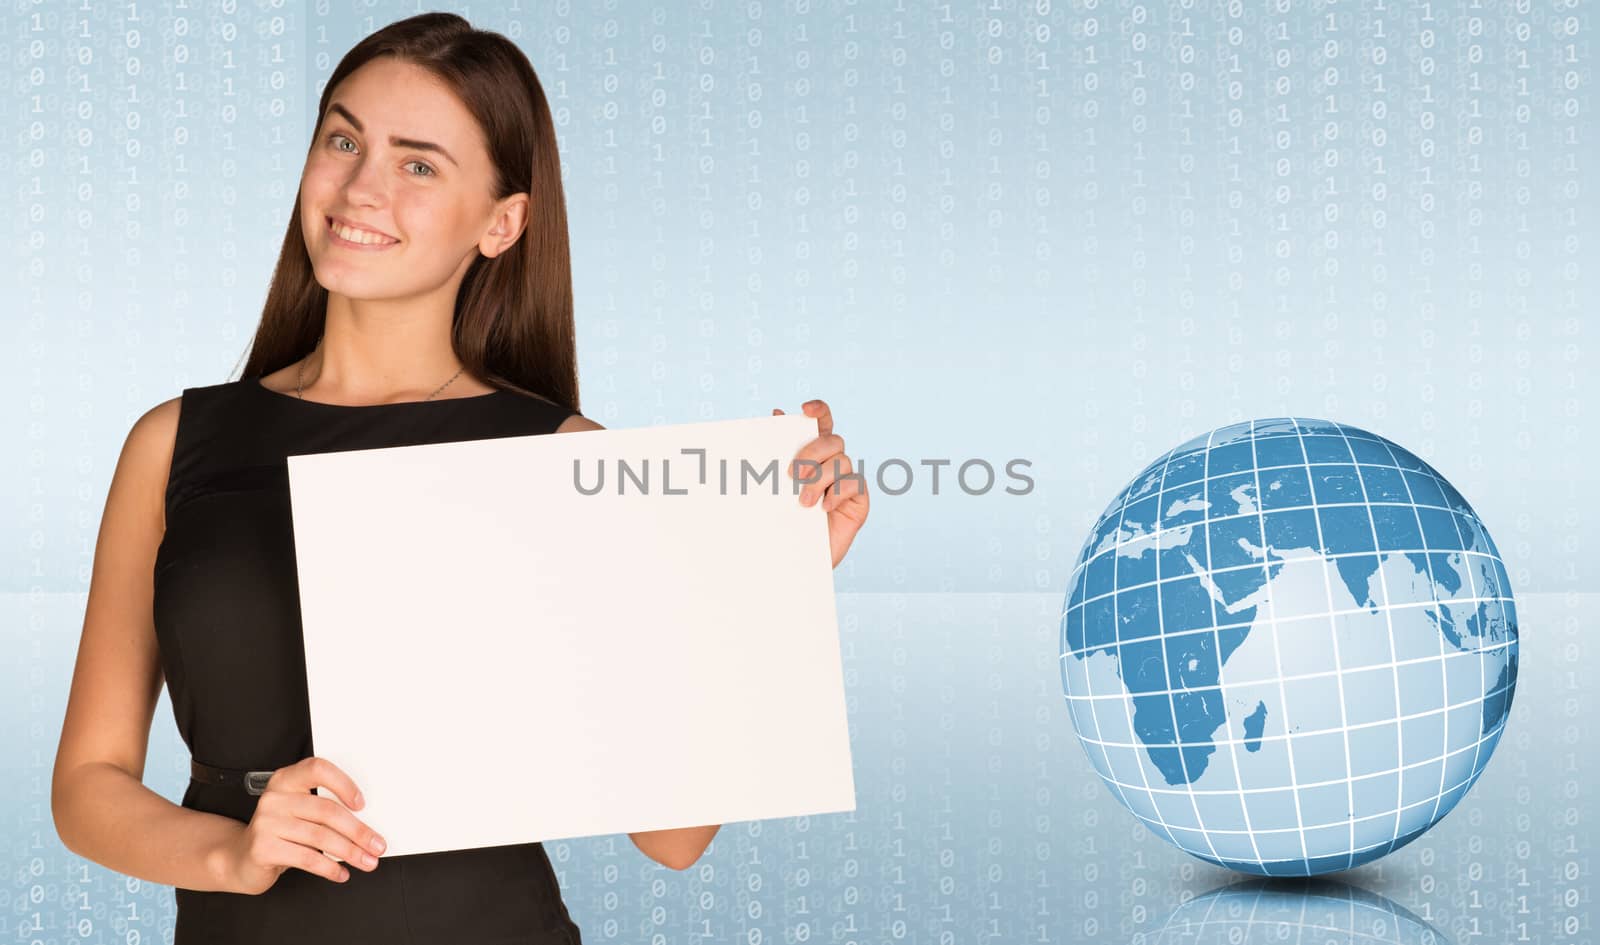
{"x":1076,"y":233}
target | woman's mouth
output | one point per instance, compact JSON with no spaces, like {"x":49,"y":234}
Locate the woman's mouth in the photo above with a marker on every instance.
{"x":351,"y":237}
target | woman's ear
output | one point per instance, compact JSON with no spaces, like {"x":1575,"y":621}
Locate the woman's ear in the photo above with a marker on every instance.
{"x":510,"y":218}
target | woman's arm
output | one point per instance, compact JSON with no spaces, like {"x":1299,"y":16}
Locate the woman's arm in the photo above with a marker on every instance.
{"x":105,"y":814}
{"x":678,"y":848}
{"x":101,"y":809}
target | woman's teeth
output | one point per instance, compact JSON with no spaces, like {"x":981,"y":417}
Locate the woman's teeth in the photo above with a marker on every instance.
{"x":359,"y":236}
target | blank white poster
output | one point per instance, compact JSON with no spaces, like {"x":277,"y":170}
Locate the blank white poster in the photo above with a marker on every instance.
{"x":497,"y":657}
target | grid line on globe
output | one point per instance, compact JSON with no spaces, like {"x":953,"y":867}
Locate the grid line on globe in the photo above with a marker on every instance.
{"x":1318,"y":600}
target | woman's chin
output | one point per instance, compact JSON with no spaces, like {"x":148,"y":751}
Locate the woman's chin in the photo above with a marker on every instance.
{"x":338,"y":278}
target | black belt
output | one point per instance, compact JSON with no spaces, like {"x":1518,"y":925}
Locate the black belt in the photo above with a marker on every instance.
{"x":254,"y":782}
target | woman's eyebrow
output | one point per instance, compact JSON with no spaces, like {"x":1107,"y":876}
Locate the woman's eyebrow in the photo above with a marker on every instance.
{"x":397,"y":142}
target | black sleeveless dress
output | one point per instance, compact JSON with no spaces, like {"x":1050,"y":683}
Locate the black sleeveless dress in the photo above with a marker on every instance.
{"x":227,"y":615}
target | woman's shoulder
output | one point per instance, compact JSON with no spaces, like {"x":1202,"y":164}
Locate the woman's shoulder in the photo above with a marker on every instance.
{"x":578,"y":422}
{"x":154,"y":435}
{"x":156,"y":430}
{"x":145,"y":463}
{"x":572,"y":420}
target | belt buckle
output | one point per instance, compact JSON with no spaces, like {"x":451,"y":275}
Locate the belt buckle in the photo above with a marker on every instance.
{"x":255,"y":782}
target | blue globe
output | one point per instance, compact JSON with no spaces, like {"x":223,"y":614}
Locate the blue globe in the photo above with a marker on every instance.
{"x":1289,"y":647}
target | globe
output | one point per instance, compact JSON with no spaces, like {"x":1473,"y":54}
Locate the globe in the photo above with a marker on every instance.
{"x":1289,"y":647}
{"x":1294,"y":912}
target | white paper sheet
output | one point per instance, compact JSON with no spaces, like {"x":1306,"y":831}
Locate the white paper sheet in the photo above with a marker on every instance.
{"x":497,"y":658}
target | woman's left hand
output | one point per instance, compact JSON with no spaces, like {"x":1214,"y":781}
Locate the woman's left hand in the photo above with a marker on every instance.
{"x":846,"y":503}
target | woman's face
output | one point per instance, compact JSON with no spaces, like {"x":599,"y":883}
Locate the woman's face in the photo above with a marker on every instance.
{"x":398,"y":156}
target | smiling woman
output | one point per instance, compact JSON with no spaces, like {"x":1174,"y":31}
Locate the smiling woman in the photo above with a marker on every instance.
{"x":427,"y":243}
{"x":416,"y":212}
{"x":401,"y":195}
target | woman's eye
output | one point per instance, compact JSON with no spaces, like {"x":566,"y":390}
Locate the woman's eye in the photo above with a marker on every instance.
{"x":336,"y":137}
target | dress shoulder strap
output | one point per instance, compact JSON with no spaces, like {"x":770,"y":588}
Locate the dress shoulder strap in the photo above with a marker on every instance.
{"x":199,"y":412}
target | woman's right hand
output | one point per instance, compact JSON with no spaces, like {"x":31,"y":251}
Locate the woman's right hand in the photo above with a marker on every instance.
{"x":292,"y":827}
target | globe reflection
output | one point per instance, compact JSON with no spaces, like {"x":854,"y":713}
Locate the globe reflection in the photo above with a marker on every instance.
{"x":1294,"y":912}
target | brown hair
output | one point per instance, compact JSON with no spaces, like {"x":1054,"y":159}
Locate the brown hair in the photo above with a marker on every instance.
{"x":513,"y":324}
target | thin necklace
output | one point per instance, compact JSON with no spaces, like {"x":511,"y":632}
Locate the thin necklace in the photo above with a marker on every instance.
{"x":300,"y":373}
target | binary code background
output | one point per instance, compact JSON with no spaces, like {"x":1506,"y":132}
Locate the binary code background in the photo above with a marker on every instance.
{"x":1076,"y":233}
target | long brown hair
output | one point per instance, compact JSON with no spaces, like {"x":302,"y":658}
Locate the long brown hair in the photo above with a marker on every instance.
{"x":513,"y":323}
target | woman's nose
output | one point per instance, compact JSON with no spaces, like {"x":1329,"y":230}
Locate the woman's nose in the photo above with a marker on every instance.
{"x":365,"y":185}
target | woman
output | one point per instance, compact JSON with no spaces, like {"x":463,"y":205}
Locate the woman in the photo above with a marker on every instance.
{"x":423,"y":294}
